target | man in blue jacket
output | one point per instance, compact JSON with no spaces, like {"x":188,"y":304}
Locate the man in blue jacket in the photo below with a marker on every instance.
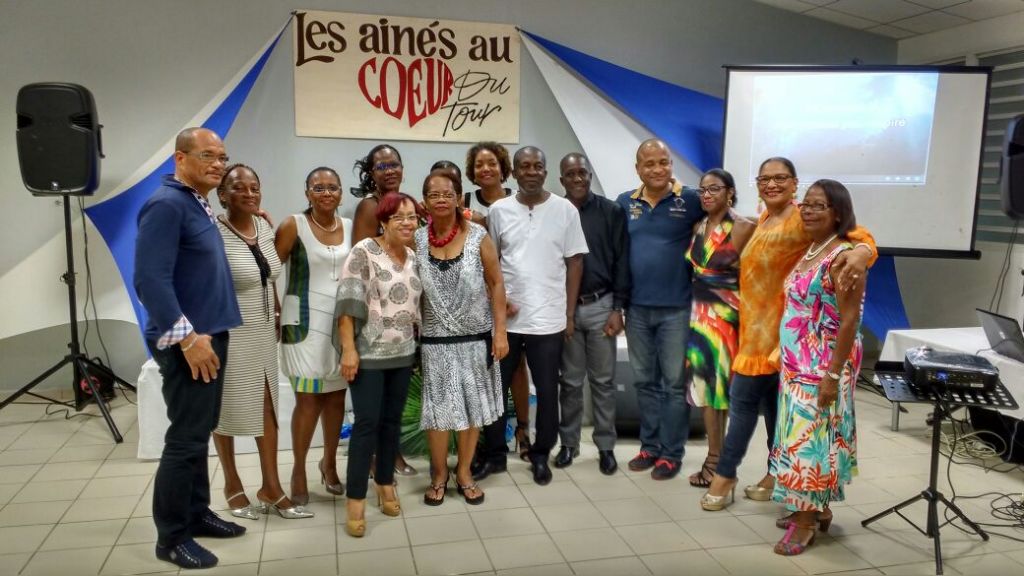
{"x":182,"y":279}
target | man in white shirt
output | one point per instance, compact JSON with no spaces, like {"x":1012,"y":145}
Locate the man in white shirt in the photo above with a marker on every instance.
{"x":541,"y":246}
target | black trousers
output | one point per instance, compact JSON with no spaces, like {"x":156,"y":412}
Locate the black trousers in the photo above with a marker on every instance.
{"x":181,"y":490}
{"x":543,"y":357}
{"x":378,"y":398}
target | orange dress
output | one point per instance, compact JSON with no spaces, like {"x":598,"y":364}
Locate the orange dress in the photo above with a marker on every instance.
{"x":767,"y":259}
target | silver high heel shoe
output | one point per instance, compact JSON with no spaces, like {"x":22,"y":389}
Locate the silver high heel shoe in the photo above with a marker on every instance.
{"x":336,"y":489}
{"x":293,"y":513}
{"x":249,"y":512}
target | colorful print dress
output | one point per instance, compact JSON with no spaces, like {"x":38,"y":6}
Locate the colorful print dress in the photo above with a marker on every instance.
{"x":714,"y":319}
{"x":815,"y":452}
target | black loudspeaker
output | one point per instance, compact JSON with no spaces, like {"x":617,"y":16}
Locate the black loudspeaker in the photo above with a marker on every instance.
{"x":59,"y":146}
{"x":1012,"y":180}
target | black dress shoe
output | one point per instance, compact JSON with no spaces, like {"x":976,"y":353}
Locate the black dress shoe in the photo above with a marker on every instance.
{"x":488,"y":468}
{"x":541,"y":471}
{"x":606,"y":462}
{"x":565,"y":456}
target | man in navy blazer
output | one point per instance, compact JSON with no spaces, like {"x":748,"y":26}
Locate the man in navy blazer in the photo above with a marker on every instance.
{"x":183,"y":280}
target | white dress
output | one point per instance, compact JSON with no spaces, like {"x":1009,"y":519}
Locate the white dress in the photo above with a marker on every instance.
{"x":308,"y":320}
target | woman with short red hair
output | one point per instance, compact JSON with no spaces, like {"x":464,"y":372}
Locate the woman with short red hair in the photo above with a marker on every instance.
{"x":378,"y":308}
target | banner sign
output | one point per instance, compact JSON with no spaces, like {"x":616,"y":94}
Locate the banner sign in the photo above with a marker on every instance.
{"x":394,"y":78}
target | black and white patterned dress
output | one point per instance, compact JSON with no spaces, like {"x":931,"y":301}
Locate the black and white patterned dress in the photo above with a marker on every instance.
{"x":461,"y":385}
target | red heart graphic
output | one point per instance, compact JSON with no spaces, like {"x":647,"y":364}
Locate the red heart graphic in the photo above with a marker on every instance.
{"x":416,"y":90}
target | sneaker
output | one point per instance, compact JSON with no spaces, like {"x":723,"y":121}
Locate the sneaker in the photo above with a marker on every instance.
{"x":643,"y":461}
{"x":189,"y":554}
{"x":665,"y":469}
{"x":214,"y":526}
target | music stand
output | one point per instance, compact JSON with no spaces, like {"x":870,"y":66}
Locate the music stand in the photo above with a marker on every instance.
{"x":898,"y":389}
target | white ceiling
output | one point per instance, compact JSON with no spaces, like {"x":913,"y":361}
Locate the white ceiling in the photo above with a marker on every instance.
{"x":900,"y":18}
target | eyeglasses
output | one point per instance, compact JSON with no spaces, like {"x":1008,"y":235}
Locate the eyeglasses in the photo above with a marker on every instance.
{"x":813,"y":206}
{"x":210,"y":157}
{"x":385,"y":166}
{"x":440,"y":195}
{"x":713,"y":190}
{"x":407,"y":218}
{"x":777,"y":178}
{"x":320,"y":190}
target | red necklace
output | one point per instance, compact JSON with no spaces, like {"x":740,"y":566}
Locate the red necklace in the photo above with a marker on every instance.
{"x":443,"y":241}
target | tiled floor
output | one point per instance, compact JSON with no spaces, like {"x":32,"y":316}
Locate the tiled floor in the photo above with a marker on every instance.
{"x":73,"y":502}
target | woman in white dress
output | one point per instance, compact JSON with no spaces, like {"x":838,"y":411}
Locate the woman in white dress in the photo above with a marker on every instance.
{"x":249,"y":400}
{"x":314,"y":244}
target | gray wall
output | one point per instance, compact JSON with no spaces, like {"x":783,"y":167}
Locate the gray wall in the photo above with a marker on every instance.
{"x":151,"y":65}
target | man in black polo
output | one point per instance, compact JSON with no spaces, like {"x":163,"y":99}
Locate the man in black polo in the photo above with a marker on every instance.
{"x":604,"y":290}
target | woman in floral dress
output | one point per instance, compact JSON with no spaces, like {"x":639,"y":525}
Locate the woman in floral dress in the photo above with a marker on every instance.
{"x":815,"y":452}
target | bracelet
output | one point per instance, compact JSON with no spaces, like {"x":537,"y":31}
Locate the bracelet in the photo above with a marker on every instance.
{"x":866,"y":245}
{"x":832,"y":375}
{"x":190,"y":344}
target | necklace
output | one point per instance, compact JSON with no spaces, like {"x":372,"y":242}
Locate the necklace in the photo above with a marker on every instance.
{"x":440,"y":243}
{"x":318,"y":225}
{"x":239,"y":232}
{"x":813,"y":252}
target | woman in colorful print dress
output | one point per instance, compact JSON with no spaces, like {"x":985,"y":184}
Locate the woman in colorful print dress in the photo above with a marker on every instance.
{"x":815,"y":453}
{"x":776,"y":246}
{"x":714,"y":253}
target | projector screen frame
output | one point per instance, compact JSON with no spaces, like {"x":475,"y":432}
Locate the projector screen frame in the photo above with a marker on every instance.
{"x":972,"y":253}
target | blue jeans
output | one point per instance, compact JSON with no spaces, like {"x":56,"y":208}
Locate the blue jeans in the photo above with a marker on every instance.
{"x":747,"y":394}
{"x":657,"y":338}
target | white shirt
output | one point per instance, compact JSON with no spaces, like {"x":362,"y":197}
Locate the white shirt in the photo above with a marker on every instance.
{"x":533,"y":245}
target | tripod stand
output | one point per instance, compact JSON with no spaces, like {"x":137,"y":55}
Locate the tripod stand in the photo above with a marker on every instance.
{"x":899,"y":390}
{"x":83,"y":366}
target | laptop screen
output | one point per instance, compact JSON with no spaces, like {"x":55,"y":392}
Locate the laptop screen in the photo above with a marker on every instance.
{"x":1003,"y":333}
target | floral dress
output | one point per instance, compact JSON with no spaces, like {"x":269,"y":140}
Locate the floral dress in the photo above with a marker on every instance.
{"x":714,"y":319}
{"x":815,"y":452}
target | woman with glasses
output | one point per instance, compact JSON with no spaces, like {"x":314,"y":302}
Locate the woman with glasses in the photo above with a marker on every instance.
{"x":815,"y":452}
{"x":379,"y":308}
{"x":775,"y":247}
{"x":315,"y":245}
{"x":718,"y":240}
{"x":249,"y":400}
{"x":380,"y":173}
{"x":463,"y":334}
{"x":489,"y":165}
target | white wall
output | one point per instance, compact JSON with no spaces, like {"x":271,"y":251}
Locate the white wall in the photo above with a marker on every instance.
{"x":941,"y":293}
{"x":152,"y":65}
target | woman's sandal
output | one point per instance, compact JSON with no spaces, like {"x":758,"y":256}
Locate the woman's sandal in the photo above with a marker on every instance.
{"x":703,"y":478}
{"x":824,"y":520}
{"x":430,"y":498}
{"x":523,"y":444}
{"x":787,"y":547}
{"x":464,"y":490}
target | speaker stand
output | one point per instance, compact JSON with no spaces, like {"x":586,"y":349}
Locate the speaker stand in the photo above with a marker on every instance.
{"x":83,"y":366}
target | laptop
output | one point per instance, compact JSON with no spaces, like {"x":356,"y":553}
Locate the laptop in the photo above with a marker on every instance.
{"x":1003,"y":333}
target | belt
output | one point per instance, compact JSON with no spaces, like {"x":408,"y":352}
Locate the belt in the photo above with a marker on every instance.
{"x":591,"y":298}
{"x":485,"y":336}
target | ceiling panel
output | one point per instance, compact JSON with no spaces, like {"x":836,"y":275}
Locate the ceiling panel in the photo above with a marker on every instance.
{"x":881,"y":11}
{"x":985,"y":9}
{"x":900,"y":18}
{"x":841,"y":18}
{"x":931,"y":22}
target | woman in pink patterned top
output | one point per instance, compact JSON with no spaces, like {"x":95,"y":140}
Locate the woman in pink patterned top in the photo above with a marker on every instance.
{"x":378,"y":309}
